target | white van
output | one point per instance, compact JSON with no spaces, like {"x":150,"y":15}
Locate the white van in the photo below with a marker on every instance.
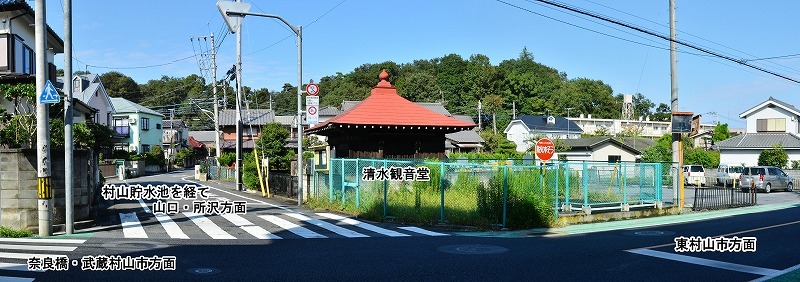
{"x":694,"y":174}
{"x":727,"y":174}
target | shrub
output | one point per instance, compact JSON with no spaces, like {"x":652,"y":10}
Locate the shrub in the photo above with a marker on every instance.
{"x":6,"y":232}
{"x":227,"y":159}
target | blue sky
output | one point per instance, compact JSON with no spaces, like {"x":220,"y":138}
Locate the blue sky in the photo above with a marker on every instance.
{"x":125,"y":34}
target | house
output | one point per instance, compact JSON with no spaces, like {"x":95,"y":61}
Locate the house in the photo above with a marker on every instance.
{"x":206,"y":138}
{"x":604,"y":148}
{"x":90,"y":90}
{"x":138,"y":127}
{"x":174,"y":136}
{"x":642,"y":127}
{"x":386,"y":125}
{"x":768,"y":123}
{"x":17,"y":50}
{"x":527,"y":127}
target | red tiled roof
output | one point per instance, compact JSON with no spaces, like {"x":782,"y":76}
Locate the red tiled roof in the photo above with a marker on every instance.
{"x":385,"y":107}
{"x":195,"y":144}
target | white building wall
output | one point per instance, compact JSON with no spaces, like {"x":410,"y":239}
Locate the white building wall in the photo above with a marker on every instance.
{"x":101,"y":104}
{"x":746,"y":157}
{"x":775,"y":112}
{"x":602,"y":152}
{"x":518,"y":134}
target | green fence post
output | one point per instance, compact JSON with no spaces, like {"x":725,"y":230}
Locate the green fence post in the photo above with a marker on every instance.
{"x":343,"y":186}
{"x":441,"y":188}
{"x":505,"y":194}
{"x":566,"y":187}
{"x":624,"y":184}
{"x":585,"y":183}
{"x":358,"y":185}
{"x":330,"y":181}
{"x":385,"y":196}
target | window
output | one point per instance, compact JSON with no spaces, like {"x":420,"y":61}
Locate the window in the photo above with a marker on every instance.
{"x":145,"y":124}
{"x":158,"y":126}
{"x":771,"y":125}
{"x":145,"y":148}
{"x":614,"y":158}
{"x":121,"y":127}
{"x":27,"y":60}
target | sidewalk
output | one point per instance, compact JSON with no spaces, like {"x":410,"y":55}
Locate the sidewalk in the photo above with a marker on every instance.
{"x":631,"y":223}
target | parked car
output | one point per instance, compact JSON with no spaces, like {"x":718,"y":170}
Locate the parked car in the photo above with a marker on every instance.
{"x":694,"y":174}
{"x":726,"y":174}
{"x":767,"y":178}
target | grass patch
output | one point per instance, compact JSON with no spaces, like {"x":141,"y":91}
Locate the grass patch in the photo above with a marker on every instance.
{"x":6,"y":232}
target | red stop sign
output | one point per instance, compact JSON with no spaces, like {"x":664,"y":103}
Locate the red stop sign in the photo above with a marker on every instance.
{"x":545,"y":149}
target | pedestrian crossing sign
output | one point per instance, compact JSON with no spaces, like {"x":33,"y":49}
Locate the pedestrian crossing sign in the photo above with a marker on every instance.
{"x":49,"y":95}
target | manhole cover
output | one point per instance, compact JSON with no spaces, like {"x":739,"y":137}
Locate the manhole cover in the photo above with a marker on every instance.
{"x":472,"y":249}
{"x":203,"y":271}
{"x":649,"y":233}
{"x":134,"y":245}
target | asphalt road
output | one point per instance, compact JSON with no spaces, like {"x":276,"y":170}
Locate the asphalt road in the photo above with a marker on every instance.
{"x":629,"y":254}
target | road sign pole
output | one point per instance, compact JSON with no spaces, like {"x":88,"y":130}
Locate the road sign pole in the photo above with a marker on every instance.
{"x":45,"y":190}
{"x":299,"y":33}
{"x":69,"y":143}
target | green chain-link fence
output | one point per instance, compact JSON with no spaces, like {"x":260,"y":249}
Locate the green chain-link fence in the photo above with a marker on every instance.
{"x":515,"y":194}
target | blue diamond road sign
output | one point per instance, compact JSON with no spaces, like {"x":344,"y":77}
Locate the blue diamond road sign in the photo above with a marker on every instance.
{"x":49,"y":95}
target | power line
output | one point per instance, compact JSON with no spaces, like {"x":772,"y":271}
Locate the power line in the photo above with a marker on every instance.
{"x":776,"y":57}
{"x":701,"y":49}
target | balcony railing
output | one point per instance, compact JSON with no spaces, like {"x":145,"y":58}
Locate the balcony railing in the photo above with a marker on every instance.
{"x":122,"y":131}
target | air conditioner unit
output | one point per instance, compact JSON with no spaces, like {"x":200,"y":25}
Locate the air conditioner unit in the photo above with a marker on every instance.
{"x":132,"y":120}
{"x":133,"y":148}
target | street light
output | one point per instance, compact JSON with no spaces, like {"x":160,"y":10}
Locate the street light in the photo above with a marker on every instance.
{"x":233,"y":13}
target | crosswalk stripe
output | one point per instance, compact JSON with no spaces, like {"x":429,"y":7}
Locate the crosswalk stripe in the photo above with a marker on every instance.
{"x":15,"y":279}
{"x":248,"y":226}
{"x":17,"y":267}
{"x":208,"y":226}
{"x":363,"y":225}
{"x":329,"y":226}
{"x":291,"y":227}
{"x":43,"y":240}
{"x":170,"y":226}
{"x":259,"y":232}
{"x":422,"y":231}
{"x":26,"y":255}
{"x":131,"y":226}
{"x":37,"y":248}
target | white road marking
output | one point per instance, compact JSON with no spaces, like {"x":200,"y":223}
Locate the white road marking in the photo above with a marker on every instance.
{"x":27,"y":255}
{"x":37,"y":248}
{"x":706,"y":262}
{"x":15,"y":266}
{"x":15,"y":279}
{"x":131,"y":226}
{"x":291,"y":227}
{"x":422,"y":231}
{"x":363,"y":225}
{"x":327,"y":225}
{"x":776,"y":274}
{"x":259,"y":232}
{"x":208,"y":226}
{"x":172,"y":228}
{"x":43,"y":240}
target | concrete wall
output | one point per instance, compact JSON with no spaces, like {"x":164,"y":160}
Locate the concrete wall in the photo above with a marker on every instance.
{"x":18,"y":194}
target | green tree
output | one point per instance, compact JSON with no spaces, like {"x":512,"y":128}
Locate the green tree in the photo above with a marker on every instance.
{"x":120,"y":85}
{"x":493,"y":104}
{"x":642,"y":106}
{"x":776,"y":156}
{"x":721,"y":132}
{"x":702,"y":157}
{"x":662,"y":113}
{"x":272,"y":144}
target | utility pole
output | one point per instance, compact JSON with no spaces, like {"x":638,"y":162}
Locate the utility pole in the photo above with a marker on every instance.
{"x":68,"y":141}
{"x":480,"y":116}
{"x":238,"y":105}
{"x":514,"y":109}
{"x":673,"y":70}
{"x":216,"y":102}
{"x":44,"y":181}
{"x":299,"y":33}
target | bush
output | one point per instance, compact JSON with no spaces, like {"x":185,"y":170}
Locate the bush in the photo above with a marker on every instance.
{"x":6,"y":232}
{"x":774,"y":157}
{"x":227,"y":159}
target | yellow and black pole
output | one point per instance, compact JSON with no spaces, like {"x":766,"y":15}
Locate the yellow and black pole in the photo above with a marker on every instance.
{"x":44,"y":183}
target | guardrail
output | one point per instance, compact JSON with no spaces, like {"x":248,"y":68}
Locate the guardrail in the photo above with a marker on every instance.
{"x":713,"y":198}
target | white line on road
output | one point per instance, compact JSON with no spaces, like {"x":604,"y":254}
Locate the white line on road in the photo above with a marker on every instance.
{"x":27,"y":255}
{"x":236,"y":219}
{"x":172,"y":228}
{"x":208,"y":226}
{"x":15,"y":279}
{"x":776,"y":274}
{"x":44,"y":240}
{"x":327,"y":225}
{"x":706,"y":262}
{"x":37,"y":248}
{"x":422,"y":231}
{"x":131,"y":226}
{"x":291,"y":227}
{"x":248,"y":226}
{"x":363,"y":225}
{"x":16,"y":267}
